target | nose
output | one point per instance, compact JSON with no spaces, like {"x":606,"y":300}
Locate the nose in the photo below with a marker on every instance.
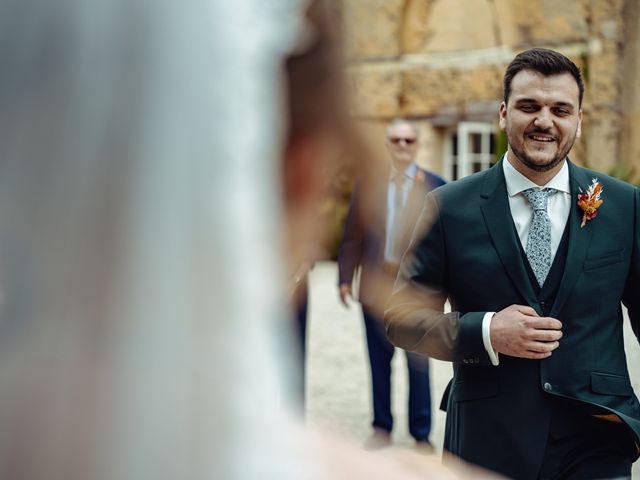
{"x":543,"y":119}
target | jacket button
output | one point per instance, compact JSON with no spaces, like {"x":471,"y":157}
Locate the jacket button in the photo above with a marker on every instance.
{"x":547,"y":386}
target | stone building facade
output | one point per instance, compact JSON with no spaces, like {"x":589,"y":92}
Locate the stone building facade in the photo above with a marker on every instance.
{"x":440,"y":62}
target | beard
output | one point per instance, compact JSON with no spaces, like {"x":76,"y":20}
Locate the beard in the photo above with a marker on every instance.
{"x":528,"y":161}
{"x":402,"y":162}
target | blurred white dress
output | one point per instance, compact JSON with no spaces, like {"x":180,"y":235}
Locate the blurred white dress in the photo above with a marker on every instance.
{"x":139,"y":235}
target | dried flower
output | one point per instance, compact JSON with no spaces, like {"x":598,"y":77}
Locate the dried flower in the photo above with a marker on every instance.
{"x":590,"y":201}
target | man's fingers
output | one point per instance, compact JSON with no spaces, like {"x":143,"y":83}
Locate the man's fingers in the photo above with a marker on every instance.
{"x":526,"y":310}
{"x":532,"y":354}
{"x":519,"y":331}
{"x":545,"y":335}
{"x":536,"y":355}
{"x":551,"y":323}
{"x":542,"y":347}
{"x":544,"y":323}
{"x":539,"y":322}
{"x":550,"y":335}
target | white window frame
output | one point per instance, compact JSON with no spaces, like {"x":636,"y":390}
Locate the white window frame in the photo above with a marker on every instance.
{"x":466,"y":158}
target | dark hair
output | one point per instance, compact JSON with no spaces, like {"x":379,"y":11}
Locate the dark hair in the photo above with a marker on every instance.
{"x":315,"y":88}
{"x":544,"y":61}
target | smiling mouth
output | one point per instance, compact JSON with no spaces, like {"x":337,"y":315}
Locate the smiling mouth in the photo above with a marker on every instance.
{"x":542,"y":138}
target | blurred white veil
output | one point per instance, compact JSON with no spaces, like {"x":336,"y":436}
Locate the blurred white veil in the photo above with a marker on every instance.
{"x":139,"y":238}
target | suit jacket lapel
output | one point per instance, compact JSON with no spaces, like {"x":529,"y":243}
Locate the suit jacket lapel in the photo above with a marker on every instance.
{"x":413,"y":208}
{"x":494,"y":204}
{"x":579,"y":239}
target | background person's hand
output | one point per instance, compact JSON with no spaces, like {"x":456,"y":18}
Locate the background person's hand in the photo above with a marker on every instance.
{"x":346,"y":295}
{"x":518,"y":331}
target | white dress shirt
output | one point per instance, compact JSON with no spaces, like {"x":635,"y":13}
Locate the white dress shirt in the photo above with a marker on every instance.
{"x":399,"y":186}
{"x":558,"y":208}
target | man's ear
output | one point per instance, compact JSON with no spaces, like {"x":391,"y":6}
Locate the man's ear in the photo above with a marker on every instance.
{"x":503,"y":116}
{"x":579,"y":130}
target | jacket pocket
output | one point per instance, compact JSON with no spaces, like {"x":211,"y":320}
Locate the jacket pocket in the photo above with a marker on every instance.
{"x":603,"y":260}
{"x":475,"y":389}
{"x":609,"y":384}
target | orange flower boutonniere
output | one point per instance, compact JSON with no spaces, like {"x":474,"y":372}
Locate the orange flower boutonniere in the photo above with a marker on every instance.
{"x":590,"y":201}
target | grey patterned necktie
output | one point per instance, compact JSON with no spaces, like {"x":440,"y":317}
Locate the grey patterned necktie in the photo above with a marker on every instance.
{"x":539,"y":239}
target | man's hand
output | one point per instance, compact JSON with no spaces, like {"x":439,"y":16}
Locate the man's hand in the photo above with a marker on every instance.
{"x":345,"y":294}
{"x":518,"y":331}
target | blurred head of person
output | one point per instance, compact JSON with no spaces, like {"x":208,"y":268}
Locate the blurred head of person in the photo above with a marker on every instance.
{"x":402,"y":142}
{"x":317,"y":129}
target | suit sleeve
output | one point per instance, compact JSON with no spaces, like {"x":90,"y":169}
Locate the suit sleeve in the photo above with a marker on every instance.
{"x":415,"y":318}
{"x":631,"y":299}
{"x":350,"y":251}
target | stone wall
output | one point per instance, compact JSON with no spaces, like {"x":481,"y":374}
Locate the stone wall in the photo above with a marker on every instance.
{"x":630,"y":138}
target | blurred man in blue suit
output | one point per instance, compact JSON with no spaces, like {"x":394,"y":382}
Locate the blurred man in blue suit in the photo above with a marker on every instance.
{"x":384,"y":208}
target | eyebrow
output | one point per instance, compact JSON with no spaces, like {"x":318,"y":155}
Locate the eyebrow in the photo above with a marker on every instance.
{"x":555,"y":104}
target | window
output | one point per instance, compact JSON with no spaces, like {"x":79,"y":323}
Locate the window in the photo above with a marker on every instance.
{"x":470,"y":148}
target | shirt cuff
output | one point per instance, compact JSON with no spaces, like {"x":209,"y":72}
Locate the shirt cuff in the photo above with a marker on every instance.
{"x":486,"y":338}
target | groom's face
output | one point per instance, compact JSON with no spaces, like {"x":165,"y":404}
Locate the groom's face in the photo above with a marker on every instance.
{"x":542,"y":119}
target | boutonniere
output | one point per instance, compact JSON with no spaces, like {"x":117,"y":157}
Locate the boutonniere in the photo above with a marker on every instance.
{"x":590,"y":201}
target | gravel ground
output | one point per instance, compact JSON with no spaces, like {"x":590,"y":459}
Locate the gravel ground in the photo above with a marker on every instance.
{"x":338,"y":392}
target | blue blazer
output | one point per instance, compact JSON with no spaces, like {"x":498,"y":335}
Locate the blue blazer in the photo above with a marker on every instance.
{"x":364,"y":237}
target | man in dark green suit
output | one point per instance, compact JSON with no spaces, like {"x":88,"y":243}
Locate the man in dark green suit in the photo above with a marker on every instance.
{"x":536,"y":256}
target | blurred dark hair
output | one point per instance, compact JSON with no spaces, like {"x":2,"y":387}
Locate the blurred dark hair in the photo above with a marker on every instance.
{"x":544,"y":61}
{"x":314,"y":73}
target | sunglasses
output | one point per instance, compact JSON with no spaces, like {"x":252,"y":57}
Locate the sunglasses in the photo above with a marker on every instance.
{"x":397,"y":140}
